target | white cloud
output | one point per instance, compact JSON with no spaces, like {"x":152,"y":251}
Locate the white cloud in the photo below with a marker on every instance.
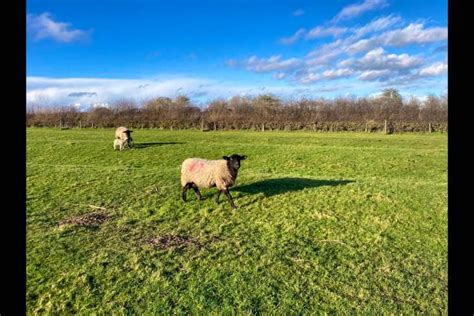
{"x":298,"y":12}
{"x":375,"y":74}
{"x":67,"y":91}
{"x":435,"y":69}
{"x":346,"y":63}
{"x":279,"y":75}
{"x":380,"y":66}
{"x":329,"y":51}
{"x":324,"y":31}
{"x":319,"y":32}
{"x":273,"y":63}
{"x":374,"y":65}
{"x":355,"y":10}
{"x":412,"y":34}
{"x":326,"y":53}
{"x":377,"y":25}
{"x":377,"y":60}
{"x":309,"y":77}
{"x":101,"y":105}
{"x":43,"y":26}
{"x":363,"y":45}
{"x":359,"y":53}
{"x":295,"y":37}
{"x":415,"y":34}
{"x":377,"y":65}
{"x":337,"y":73}
{"x":82,"y":94}
{"x":54,"y":91}
{"x":334,"y":31}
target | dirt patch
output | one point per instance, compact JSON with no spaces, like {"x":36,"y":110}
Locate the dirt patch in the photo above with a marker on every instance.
{"x":172,"y":241}
{"x":87,"y":220}
{"x":153,"y":190}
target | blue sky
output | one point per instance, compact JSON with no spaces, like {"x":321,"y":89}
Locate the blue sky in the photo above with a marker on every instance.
{"x":92,"y":52}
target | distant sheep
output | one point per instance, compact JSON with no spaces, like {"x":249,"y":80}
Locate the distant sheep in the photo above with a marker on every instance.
{"x":124,"y":134}
{"x":120,"y":144}
{"x":201,"y":173}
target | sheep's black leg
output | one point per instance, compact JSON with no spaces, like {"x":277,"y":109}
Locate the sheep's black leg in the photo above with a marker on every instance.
{"x":196,"y":190}
{"x":229,"y":197}
{"x":185,"y":190}
{"x":218,"y":195}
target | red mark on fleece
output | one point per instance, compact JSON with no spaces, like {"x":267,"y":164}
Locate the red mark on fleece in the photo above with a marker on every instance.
{"x":196,"y":166}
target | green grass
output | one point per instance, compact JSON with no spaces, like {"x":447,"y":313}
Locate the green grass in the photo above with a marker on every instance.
{"x":331,"y":223}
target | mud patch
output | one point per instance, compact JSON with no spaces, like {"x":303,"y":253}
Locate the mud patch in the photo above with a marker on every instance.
{"x":172,"y":241}
{"x":93,"y":219}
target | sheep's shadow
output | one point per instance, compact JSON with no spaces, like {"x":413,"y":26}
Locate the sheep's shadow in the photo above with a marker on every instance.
{"x":271,"y":187}
{"x":145,"y":145}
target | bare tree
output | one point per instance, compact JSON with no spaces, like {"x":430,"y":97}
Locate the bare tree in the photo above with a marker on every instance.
{"x":262,"y":112}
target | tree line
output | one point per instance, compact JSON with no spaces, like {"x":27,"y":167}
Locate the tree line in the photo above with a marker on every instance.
{"x":387,"y":112}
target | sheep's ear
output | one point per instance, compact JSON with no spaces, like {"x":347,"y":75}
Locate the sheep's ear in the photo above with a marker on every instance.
{"x":226,"y":158}
{"x":243,"y":157}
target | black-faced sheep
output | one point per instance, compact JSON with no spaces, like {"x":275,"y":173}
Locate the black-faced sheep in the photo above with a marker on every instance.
{"x":202,"y":173}
{"x":124,"y":134}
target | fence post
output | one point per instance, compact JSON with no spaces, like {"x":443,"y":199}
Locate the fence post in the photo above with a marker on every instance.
{"x":429,"y":127}
{"x":80,"y":124}
{"x":385,"y":127}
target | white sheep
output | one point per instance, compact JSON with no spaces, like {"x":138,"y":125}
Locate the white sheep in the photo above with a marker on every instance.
{"x":124,"y":134}
{"x":202,"y":173}
{"x":120,"y":143}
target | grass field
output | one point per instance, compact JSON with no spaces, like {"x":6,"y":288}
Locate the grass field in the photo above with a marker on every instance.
{"x":331,"y":223}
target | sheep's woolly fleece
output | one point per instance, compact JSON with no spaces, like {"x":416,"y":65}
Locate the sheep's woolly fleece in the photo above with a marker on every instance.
{"x":207,"y":173}
{"x":120,"y":133}
{"x":119,"y":143}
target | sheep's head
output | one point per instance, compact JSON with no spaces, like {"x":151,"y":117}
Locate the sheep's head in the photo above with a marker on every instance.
{"x":127,"y":134}
{"x":234,"y":160}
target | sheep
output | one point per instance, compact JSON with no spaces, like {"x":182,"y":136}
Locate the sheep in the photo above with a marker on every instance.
{"x":120,"y":143}
{"x":124,"y":134}
{"x":202,"y":173}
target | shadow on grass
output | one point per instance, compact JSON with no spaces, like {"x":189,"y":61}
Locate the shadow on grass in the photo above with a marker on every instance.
{"x":273,"y":187}
{"x":145,"y":145}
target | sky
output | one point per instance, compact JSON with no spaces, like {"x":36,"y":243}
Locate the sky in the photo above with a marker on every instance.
{"x":90,"y":53}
